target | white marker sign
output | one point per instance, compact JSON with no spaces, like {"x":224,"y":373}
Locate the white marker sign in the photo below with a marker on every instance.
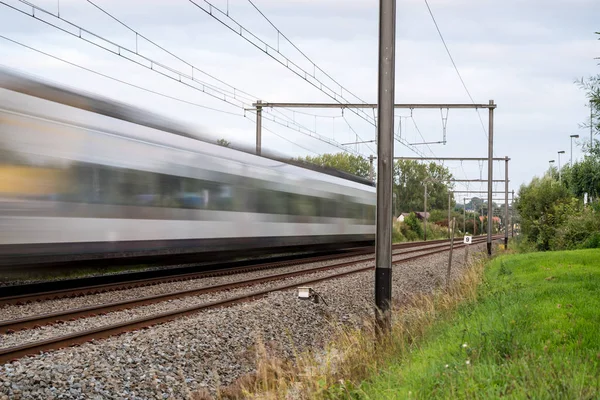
{"x":467,"y":239}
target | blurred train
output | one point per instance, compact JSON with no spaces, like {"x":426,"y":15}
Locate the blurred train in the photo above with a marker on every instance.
{"x":82,"y":177}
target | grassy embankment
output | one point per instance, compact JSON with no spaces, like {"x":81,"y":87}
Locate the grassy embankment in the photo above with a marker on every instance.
{"x":525,"y":326}
{"x":533,"y":332}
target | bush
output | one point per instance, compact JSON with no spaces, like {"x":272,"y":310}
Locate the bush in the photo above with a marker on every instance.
{"x":592,"y":242}
{"x":397,"y":235}
{"x":581,"y":229}
{"x":413,"y":223}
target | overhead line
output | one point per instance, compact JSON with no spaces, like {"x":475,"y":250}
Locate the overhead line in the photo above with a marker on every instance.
{"x":304,"y":75}
{"x":119,"y":80}
{"x":279,"y":32}
{"x":288,"y":61}
{"x":454,"y":64}
{"x":154,"y":63}
{"x":148,"y":90}
{"x":342,"y":88}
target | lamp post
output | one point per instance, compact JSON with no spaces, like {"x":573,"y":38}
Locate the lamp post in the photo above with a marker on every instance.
{"x":559,"y":173}
{"x":550,"y":167}
{"x":576,"y":137}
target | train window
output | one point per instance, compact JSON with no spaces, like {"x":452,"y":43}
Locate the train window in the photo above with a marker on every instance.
{"x":370,"y":214}
{"x":271,"y":202}
{"x":300,"y":205}
{"x":329,"y":208}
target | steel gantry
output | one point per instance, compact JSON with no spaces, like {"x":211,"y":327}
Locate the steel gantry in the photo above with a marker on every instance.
{"x":385,"y":150}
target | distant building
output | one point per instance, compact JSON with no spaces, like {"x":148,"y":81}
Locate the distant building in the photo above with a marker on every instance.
{"x":402,"y":216}
{"x":495,"y":220}
{"x":420,"y":215}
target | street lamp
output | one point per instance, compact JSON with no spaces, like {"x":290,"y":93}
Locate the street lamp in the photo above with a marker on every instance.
{"x":559,"y":173}
{"x":550,"y":168}
{"x":576,"y":137}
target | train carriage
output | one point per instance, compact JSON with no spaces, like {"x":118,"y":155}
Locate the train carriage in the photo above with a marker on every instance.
{"x":82,"y":177}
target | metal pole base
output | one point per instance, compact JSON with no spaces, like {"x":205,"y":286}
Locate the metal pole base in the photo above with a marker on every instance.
{"x":505,"y":243}
{"x":383,"y":297}
{"x":489,"y":247}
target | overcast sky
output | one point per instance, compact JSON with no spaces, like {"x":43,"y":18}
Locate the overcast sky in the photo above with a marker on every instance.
{"x":525,"y":55}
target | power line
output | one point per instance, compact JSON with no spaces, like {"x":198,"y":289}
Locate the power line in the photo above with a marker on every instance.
{"x":123,"y":51}
{"x":420,"y":134}
{"x":234,"y":91}
{"x":288,"y":140}
{"x":454,"y":64}
{"x":242,"y":29}
{"x":119,"y":80}
{"x":279,"y":32}
{"x":146,"y":89}
{"x":214,"y":12}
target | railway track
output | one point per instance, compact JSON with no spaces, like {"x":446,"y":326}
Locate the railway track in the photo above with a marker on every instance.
{"x":22,"y":294}
{"x":15,"y":352}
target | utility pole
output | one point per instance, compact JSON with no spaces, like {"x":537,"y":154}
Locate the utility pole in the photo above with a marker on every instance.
{"x":474,"y":224}
{"x":465,"y":215}
{"x":449,"y":213}
{"x":481,"y":215}
{"x":448,"y":271}
{"x":591,"y":125}
{"x":425,"y":214}
{"x":490,"y":175}
{"x":506,"y":203}
{"x":371,"y":168}
{"x":385,"y":154}
{"x":512,"y":215}
{"x":258,"y":126}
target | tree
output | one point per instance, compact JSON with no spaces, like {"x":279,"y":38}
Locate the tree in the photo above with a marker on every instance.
{"x":223,"y":142}
{"x":352,"y":164}
{"x":542,"y":206}
{"x":409,"y":178}
{"x":584,"y":176}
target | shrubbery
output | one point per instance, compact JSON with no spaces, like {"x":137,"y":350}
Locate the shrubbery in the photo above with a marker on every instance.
{"x":413,"y":224}
{"x":552,"y":219}
{"x":412,"y":229}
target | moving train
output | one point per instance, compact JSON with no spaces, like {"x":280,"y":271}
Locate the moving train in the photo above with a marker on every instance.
{"x":83,"y":177}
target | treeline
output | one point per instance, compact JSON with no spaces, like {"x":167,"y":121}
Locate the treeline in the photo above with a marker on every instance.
{"x":410,"y":178}
{"x":553,"y":210}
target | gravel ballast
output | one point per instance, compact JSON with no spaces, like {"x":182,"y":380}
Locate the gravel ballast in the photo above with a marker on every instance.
{"x":211,"y":348}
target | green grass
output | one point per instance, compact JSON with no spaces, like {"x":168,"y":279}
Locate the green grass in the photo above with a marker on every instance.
{"x":533,"y":332}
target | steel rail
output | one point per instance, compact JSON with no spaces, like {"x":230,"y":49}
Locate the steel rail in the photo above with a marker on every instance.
{"x":15,"y":352}
{"x":34,"y":321}
{"x":103,"y":288}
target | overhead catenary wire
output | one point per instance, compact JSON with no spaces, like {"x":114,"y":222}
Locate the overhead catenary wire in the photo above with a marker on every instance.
{"x":234,"y":90}
{"x":120,"y":80}
{"x":154,"y":91}
{"x":454,"y":65}
{"x":283,"y":137}
{"x":121,"y":52}
{"x":214,"y":12}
